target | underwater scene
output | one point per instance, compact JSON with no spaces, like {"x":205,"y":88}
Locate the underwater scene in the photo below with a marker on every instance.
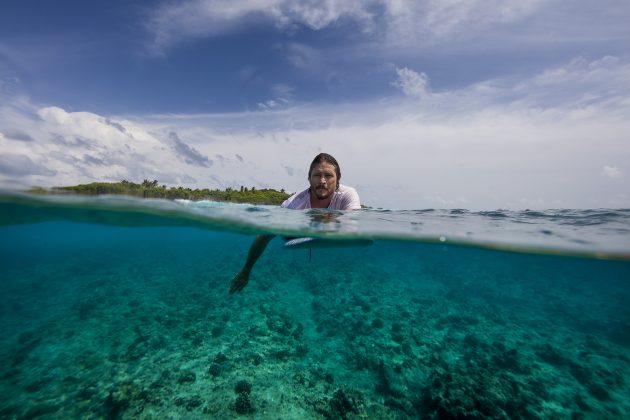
{"x":118,"y":308}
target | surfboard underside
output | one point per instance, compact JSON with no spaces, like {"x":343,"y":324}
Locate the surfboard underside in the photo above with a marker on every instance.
{"x":306,"y":243}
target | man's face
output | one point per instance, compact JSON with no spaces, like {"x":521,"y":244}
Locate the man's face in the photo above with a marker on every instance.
{"x":323,"y":180}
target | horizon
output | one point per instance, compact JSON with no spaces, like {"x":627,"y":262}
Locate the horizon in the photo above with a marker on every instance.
{"x":478,"y":105}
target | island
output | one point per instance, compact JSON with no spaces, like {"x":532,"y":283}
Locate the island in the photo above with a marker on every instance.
{"x":152,"y":189}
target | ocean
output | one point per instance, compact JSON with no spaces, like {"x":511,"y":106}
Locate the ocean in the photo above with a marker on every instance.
{"x":118,"y":308}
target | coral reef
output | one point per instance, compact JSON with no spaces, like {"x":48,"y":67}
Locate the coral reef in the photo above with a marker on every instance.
{"x":393,"y":331}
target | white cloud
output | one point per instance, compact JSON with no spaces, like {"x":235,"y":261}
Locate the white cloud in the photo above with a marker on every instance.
{"x":399,"y":20}
{"x":412,"y":83}
{"x":187,"y":153}
{"x":283,"y":90}
{"x":593,"y":78}
{"x":432,"y":21}
{"x":308,"y":59}
{"x":611,"y":171}
{"x":581,"y":86}
{"x":283,"y":97}
{"x":80,"y":147}
{"x":20,"y":165}
{"x":402,"y":25}
{"x":496,"y":144}
{"x":270,"y":104}
{"x":173,"y":22}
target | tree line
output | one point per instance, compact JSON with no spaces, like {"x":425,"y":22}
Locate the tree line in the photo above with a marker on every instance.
{"x":152,"y":189}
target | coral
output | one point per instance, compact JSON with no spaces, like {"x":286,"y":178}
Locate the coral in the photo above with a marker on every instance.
{"x":40,"y":411}
{"x":301,"y":350}
{"x":328,"y":377}
{"x":598,"y":391}
{"x":280,"y":324}
{"x":377,"y":323}
{"x":189,"y":403}
{"x":28,"y":345}
{"x":384,"y":385}
{"x":473,"y":394}
{"x":217,"y":331}
{"x":299,"y":330}
{"x":510,"y":360}
{"x":138,"y":348}
{"x":215,"y":369}
{"x":282,"y":354}
{"x":343,"y":403}
{"x":116,"y":402}
{"x":220,"y":358}
{"x":340,"y":404}
{"x":257,"y":359}
{"x":243,"y":405}
{"x":187,"y":377}
{"x":243,"y":387}
{"x":193,"y":402}
{"x":38,"y":384}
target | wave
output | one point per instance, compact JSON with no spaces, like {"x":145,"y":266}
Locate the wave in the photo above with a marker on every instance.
{"x":596,"y":233}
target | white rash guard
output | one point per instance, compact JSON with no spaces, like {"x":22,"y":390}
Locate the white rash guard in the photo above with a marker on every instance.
{"x":345,"y":198}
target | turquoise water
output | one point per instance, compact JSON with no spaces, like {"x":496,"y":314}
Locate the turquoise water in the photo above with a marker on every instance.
{"x":119,"y":308}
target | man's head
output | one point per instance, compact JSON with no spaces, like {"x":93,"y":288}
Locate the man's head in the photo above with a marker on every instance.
{"x":324,"y":176}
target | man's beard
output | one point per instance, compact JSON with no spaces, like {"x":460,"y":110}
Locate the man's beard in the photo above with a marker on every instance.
{"x":322,"y":193}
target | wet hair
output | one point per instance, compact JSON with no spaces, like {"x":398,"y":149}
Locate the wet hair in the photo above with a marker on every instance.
{"x":325,"y":158}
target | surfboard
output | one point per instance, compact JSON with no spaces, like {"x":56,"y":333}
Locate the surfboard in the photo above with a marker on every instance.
{"x":308,"y":242}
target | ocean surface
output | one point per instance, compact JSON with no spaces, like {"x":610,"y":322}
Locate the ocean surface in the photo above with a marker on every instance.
{"x":118,"y":308}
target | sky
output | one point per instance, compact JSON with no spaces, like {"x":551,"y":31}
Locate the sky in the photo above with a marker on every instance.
{"x":477,"y":104}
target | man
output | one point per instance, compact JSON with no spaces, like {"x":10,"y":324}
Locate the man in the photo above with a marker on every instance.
{"x":325,"y":192}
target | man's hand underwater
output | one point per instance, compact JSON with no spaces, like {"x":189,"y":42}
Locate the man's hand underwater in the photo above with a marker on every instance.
{"x":239,"y":282}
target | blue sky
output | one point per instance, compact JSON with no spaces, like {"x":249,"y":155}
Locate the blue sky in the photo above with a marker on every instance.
{"x":476,"y":103}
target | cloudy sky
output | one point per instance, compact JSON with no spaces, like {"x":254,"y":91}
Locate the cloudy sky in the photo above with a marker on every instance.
{"x":478,"y":104}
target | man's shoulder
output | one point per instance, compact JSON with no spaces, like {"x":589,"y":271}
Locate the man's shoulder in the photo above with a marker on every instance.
{"x":300,"y":195}
{"x":345,"y":189}
{"x":349,"y":198}
{"x":296,"y":199}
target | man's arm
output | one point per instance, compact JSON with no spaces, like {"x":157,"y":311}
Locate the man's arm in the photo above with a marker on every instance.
{"x":255,"y":251}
